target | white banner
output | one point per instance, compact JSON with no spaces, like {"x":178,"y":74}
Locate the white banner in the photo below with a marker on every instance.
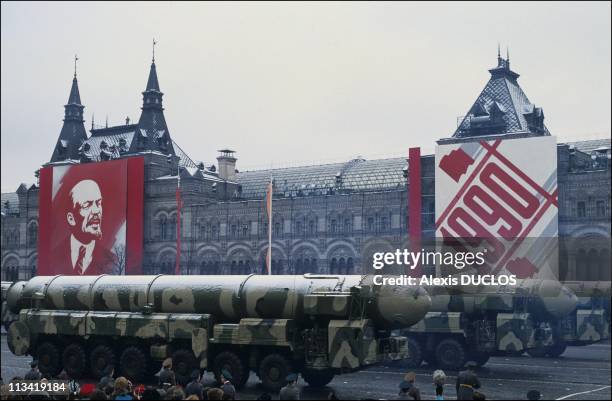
{"x":501,"y":195}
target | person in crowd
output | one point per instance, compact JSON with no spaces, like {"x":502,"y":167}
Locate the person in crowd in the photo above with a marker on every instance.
{"x":291,"y":391}
{"x":214,"y":394}
{"x":467,"y":382}
{"x":122,"y":390}
{"x":408,"y":389}
{"x":98,"y":394}
{"x":332,"y":396}
{"x":192,"y":397}
{"x":534,"y":395}
{"x":439,"y":377}
{"x":63,"y":375}
{"x":33,"y":373}
{"x":107,"y":381}
{"x":86,"y":390}
{"x":166,"y":374}
{"x":195,"y":385}
{"x":226,"y":385}
{"x":264,"y":397}
{"x":175,"y":393}
{"x":150,"y":393}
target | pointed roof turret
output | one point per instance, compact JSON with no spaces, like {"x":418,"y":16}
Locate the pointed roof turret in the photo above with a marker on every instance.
{"x":74,"y":97}
{"x":73,"y":131}
{"x":152,"y":83}
{"x":152,"y":129}
{"x":502,"y":107}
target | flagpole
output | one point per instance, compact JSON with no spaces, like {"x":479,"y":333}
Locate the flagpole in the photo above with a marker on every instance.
{"x":177,"y":267}
{"x":269,"y":255}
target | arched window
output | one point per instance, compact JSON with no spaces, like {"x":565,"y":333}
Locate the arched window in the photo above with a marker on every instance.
{"x":311,"y":227}
{"x":163,"y":228}
{"x":348,"y":226}
{"x":172,"y":228}
{"x":349,"y":266}
{"x":32,"y":234}
{"x":333,"y":266}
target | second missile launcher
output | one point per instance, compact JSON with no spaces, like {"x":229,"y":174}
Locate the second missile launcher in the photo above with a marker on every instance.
{"x":317,"y":325}
{"x":472,"y":323}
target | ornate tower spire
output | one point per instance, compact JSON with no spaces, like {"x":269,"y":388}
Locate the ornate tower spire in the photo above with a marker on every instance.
{"x":73,"y":131}
{"x":152,"y":123}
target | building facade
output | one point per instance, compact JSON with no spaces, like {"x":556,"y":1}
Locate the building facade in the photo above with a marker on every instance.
{"x":327,"y":218}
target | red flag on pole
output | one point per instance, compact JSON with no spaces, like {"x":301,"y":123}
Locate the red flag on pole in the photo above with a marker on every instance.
{"x":269,"y":210}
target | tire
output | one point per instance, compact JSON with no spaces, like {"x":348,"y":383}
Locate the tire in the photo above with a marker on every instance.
{"x":101,"y":358}
{"x":318,"y":378}
{"x":539,"y":352}
{"x":48,"y":356}
{"x":273,"y":370}
{"x":183,"y":363}
{"x":133,"y":363}
{"x":557,"y":349}
{"x":74,"y":359}
{"x":481,"y":358}
{"x":450,"y":354}
{"x":232,"y":363}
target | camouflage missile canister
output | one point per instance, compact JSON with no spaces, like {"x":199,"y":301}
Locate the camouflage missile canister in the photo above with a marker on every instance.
{"x":318,"y":325}
{"x":7,"y":316}
{"x":588,"y":323}
{"x":473,"y":322}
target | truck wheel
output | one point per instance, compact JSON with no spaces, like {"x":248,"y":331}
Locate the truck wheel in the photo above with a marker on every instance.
{"x":539,"y":352}
{"x":273,"y":370}
{"x":557,"y":349}
{"x":183,"y":363}
{"x":450,"y":354}
{"x":133,"y":363}
{"x":318,"y":378}
{"x":231,"y":362}
{"x":101,"y":358}
{"x":74,"y":360}
{"x":481,"y":358}
{"x":48,"y":357}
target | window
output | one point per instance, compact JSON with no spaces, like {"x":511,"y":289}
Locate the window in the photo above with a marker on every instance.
{"x":370,"y":224}
{"x":277,"y":229}
{"x":311,"y":227}
{"x":581,"y":209}
{"x":333,"y":226}
{"x":347,"y":225}
{"x":32,"y":234}
{"x":601,"y":208}
{"x":163,"y":228}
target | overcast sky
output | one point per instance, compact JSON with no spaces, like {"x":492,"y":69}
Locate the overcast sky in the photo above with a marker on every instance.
{"x":288,"y":84}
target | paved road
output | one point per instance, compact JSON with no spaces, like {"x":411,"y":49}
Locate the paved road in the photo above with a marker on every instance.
{"x":580,"y":373}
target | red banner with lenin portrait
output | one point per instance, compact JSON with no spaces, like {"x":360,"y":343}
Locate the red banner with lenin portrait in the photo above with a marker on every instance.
{"x":91,"y":218}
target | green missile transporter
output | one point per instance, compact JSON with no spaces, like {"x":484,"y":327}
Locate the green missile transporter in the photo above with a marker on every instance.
{"x":588,"y":323}
{"x":468,"y":323}
{"x":317,"y":325}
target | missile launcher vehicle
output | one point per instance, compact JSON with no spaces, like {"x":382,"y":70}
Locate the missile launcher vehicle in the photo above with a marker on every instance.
{"x":467,"y":323}
{"x":588,"y":323}
{"x":316,"y":325}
